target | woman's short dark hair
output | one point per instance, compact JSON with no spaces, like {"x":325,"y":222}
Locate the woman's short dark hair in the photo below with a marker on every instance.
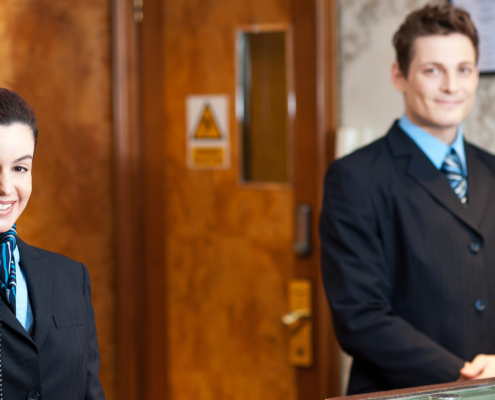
{"x":13,"y":108}
{"x":427,"y":21}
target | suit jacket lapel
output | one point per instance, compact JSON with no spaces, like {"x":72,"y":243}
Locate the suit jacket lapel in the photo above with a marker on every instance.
{"x":39,"y":281}
{"x":422,"y":170}
{"x":9,"y":319}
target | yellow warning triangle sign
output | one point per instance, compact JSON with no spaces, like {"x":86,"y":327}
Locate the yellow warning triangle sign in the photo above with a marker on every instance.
{"x":207,"y":127}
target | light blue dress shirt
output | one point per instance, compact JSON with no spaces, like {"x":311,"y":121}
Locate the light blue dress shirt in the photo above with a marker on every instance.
{"x":434,"y":149}
{"x":23,"y":308}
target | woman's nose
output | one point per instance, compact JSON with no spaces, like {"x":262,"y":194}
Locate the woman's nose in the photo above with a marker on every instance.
{"x":6,"y":186}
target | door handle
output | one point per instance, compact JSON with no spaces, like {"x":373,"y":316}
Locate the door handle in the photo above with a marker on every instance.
{"x":299,"y":322}
{"x":296,"y":315}
{"x":302,"y":244}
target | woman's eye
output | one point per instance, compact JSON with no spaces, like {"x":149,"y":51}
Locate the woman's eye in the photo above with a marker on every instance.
{"x":20,"y":169}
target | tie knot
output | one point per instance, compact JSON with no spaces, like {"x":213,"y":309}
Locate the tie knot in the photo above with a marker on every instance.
{"x":8,"y":274}
{"x":452,"y":169}
{"x":452,"y":162}
{"x":9,"y":237}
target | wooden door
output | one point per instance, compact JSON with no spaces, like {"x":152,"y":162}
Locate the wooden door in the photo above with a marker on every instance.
{"x":219,"y":251}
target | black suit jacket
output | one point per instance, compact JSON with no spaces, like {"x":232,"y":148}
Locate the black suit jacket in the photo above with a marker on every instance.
{"x":61,"y":361}
{"x":409,"y":272}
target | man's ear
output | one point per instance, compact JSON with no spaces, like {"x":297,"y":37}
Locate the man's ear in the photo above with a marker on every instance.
{"x":398,"y":78}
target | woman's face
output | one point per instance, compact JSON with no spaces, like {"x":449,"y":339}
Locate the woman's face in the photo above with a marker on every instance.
{"x":16,"y":162}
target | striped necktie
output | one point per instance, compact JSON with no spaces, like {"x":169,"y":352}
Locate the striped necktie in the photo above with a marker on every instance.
{"x":8,"y":280}
{"x":452,"y":169}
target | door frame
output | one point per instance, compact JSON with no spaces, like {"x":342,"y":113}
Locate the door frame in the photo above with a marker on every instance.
{"x":316,"y":87}
{"x":139,"y":195}
{"x":138,"y":108}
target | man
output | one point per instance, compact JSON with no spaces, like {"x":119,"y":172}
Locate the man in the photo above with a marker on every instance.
{"x":407,"y":225}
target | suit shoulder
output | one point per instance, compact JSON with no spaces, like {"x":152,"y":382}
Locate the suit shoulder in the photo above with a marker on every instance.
{"x":58,"y":261}
{"x":484,"y":155}
{"x":60,"y":258}
{"x":364,"y":159}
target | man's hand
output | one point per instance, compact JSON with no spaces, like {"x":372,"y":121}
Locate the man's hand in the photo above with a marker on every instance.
{"x":482,"y":366}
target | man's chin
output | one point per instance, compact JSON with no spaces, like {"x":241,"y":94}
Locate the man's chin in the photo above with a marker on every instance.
{"x":447,"y":121}
{"x":450,"y":117}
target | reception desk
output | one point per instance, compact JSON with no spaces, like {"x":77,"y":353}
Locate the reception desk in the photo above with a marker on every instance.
{"x":475,"y":390}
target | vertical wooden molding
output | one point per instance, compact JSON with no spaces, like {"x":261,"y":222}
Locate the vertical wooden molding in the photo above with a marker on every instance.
{"x":128,"y":221}
{"x":306,"y":185}
{"x":328,"y":75}
{"x":155,"y":384}
{"x":314,"y":57}
{"x":328,"y":112}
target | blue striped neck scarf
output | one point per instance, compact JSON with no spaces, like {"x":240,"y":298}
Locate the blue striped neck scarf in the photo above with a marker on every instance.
{"x":8,"y":279}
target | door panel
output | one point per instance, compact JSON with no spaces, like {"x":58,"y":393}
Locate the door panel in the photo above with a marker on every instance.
{"x":227,"y":245}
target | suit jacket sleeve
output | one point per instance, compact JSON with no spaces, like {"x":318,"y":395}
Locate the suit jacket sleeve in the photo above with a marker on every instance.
{"x":359,"y":284}
{"x":94,"y":390}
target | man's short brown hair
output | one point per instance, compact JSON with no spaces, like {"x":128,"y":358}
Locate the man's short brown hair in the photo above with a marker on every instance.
{"x":427,"y":21}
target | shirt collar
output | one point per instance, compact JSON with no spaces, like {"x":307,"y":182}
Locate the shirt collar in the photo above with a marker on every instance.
{"x":17,"y":256}
{"x":433,"y":148}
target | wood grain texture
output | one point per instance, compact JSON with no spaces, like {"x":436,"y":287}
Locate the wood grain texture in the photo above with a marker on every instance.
{"x":56,"y":54}
{"x":311,"y":31}
{"x":228,"y":247}
{"x":155,"y":351}
{"x":129,"y":236}
{"x":328,"y":121}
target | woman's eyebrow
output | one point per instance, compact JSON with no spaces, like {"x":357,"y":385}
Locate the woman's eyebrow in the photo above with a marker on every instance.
{"x":24,"y":157}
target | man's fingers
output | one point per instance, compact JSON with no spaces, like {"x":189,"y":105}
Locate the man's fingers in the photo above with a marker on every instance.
{"x":473,"y":369}
{"x":489,"y":370}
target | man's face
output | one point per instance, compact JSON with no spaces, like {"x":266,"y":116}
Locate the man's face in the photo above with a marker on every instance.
{"x":441,"y":83}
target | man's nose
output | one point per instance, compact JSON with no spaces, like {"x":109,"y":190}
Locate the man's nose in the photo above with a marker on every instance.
{"x":450,"y":82}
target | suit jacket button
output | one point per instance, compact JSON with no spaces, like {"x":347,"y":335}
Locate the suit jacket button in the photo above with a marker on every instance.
{"x":33,"y":395}
{"x":480,"y":305}
{"x":474,"y":247}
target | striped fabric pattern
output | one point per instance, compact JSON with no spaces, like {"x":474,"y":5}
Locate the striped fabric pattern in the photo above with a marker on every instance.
{"x":452,"y":169}
{"x":8,"y":279}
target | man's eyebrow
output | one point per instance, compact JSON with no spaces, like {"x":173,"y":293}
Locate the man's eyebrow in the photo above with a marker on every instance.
{"x":23,"y":158}
{"x":439,"y":63}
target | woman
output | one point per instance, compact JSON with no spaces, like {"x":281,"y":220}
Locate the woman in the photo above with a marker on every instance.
{"x":49,"y":347}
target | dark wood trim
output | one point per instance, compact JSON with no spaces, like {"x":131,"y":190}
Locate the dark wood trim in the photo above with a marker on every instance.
{"x":417,"y":390}
{"x":328,"y":75}
{"x":128,"y":221}
{"x":328,"y":112}
{"x":153,"y":130}
{"x":313,"y":137}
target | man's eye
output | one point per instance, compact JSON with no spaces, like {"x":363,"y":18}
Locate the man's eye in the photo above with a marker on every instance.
{"x":465,"y":70}
{"x":432,"y":71}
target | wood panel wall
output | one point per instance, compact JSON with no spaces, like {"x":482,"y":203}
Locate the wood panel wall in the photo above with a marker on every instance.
{"x":56,"y":54}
